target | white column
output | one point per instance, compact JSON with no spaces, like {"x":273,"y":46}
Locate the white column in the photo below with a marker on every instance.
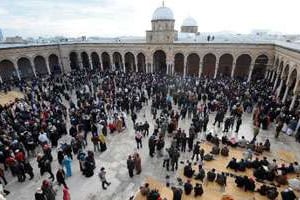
{"x":100,"y":61}
{"x":293,"y":101}
{"x":17,"y":69}
{"x":1,"y":79}
{"x":184,"y":66}
{"x":90,"y":62}
{"x":285,"y":93}
{"x":33,"y":67}
{"x":135,"y":63}
{"x":80,"y":61}
{"x":200,"y":69}
{"x":123,"y":61}
{"x":272,"y":77}
{"x":250,"y":73}
{"x":151,"y":68}
{"x":216,"y":70}
{"x":267,"y":74}
{"x":48,"y":67}
{"x":275,"y":83}
{"x":279,"y":88}
{"x":233,"y":69}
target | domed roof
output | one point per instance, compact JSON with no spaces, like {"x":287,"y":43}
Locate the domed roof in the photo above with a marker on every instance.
{"x":163,"y":13}
{"x":189,"y":21}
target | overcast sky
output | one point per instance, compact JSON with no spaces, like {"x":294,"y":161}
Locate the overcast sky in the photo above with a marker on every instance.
{"x":111,"y":18}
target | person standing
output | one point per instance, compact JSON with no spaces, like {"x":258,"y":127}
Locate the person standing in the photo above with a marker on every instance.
{"x":278,"y":129}
{"x":67,"y":163}
{"x":102,"y":176}
{"x":60,"y":177}
{"x":39,"y":195}
{"x":238,"y":124}
{"x":130,"y":166}
{"x":138,"y":139}
{"x":137,"y":163}
{"x":66,"y":193}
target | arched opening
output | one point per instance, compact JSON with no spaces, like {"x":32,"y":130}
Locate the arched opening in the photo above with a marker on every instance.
{"x":159,"y":62}
{"x":225,"y":65}
{"x":117,"y":60}
{"x":209,"y":65}
{"x":85,"y":60}
{"x":105,"y":61}
{"x":193,"y":62}
{"x":25,"y":68}
{"x":54,"y":64}
{"x":260,"y":67}
{"x":7,"y":70}
{"x":292,"y":82}
{"x":179,"y":64}
{"x":242,"y":66}
{"x":40,"y":65}
{"x":74,"y":61}
{"x":95,"y":60}
{"x":141,"y":62}
{"x":129,"y":62}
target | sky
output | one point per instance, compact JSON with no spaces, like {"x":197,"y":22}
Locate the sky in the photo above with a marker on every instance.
{"x":113,"y":18}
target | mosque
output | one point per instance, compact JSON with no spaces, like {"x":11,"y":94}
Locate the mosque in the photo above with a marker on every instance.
{"x":167,"y":51}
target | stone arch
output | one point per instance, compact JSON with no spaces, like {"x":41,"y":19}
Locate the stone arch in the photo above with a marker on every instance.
{"x":117,"y":60}
{"x":40,"y":65}
{"x":159,"y":62}
{"x":54,"y":64}
{"x":260,"y":67}
{"x":95,"y":60}
{"x":193,"y":64}
{"x":7,"y":70}
{"x":25,"y":68}
{"x":85,"y":60}
{"x":141,"y":62}
{"x":74,"y":61}
{"x":105,"y":61}
{"x":179,"y":63}
{"x":225,"y":64}
{"x":129,"y":62}
{"x":209,"y":65}
{"x":242,"y":66}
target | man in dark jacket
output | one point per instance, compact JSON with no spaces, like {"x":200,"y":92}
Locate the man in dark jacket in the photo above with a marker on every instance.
{"x":211,"y":175}
{"x":130,"y":166}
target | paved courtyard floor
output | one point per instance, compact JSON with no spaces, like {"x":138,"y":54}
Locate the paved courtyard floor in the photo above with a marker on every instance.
{"x":120,"y":145}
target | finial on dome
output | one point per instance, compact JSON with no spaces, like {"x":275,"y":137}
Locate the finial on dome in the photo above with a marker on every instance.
{"x":163,"y":3}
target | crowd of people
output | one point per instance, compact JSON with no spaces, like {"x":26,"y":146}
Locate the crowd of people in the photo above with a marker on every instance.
{"x":93,"y":104}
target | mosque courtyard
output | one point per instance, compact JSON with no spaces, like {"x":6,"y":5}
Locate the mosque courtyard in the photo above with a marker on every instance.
{"x":120,"y":145}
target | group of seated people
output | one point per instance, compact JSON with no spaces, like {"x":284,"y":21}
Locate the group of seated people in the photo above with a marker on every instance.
{"x":257,"y":147}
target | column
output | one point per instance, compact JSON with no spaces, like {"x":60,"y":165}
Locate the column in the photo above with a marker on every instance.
{"x":250,"y":73}
{"x":294,"y":100}
{"x":123,"y":63}
{"x":17,"y":69}
{"x":286,"y":93}
{"x":267,"y":74}
{"x":48,"y":67}
{"x":216,"y":70}
{"x":172,"y":69}
{"x":80,"y":61}
{"x":200,"y":69}
{"x":233,"y":69}
{"x":275,"y":83}
{"x":151,"y":68}
{"x":184,"y":66}
{"x":100,"y":61}
{"x":135,"y":63}
{"x":279,"y":88}
{"x":1,"y":81}
{"x":33,"y":67}
{"x":90,"y":62}
{"x":272,"y":77}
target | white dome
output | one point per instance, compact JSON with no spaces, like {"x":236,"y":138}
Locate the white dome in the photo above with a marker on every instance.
{"x":189,"y":22}
{"x":163,"y":13}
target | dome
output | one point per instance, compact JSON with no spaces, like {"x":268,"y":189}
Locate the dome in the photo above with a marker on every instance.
{"x":163,"y":13}
{"x":189,"y":22}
